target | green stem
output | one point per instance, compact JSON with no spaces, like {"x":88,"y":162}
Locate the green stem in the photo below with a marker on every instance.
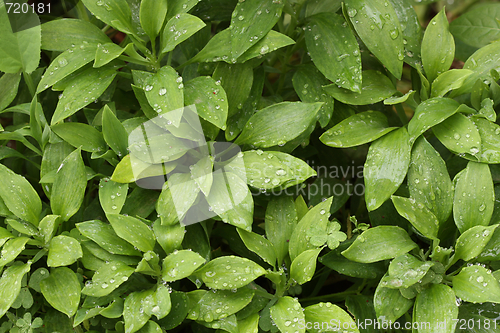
{"x":82,"y":11}
{"x":29,"y":83}
{"x":401,"y":114}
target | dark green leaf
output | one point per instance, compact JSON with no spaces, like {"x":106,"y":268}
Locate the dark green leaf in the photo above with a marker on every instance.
{"x":236,"y":79}
{"x":81,"y":135}
{"x":10,"y":82}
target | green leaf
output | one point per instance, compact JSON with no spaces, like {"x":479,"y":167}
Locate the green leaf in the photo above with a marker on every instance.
{"x":164,"y":91}
{"x":159,"y":303}
{"x":67,"y":63}
{"x":379,"y":243}
{"x":10,"y":285}
{"x":408,"y":98}
{"x":209,"y":98}
{"x":437,"y":306}
{"x":269,"y":43}
{"x":477,"y":285}
{"x":152,"y":15}
{"x":131,"y":169}
{"x":220,"y":304}
{"x":104,"y":235}
{"x":428,"y":180}
{"x":419,"y":216}
{"x":62,"y":290}
{"x":337,"y":318}
{"x":404,"y":271}
{"x":386,"y":166}
{"x":178,"y":312}
{"x":317,"y":216}
{"x":272,"y":169}
{"x":478,"y":27}
{"x":107,"y":278}
{"x":11,"y":249}
{"x":107,"y":52}
{"x":180,"y":264}
{"x":69,"y":186}
{"x":471,"y":243}
{"x":63,"y":251}
{"x":178,"y":29}
{"x":449,"y":80}
{"x":236,"y":79}
{"x":81,"y":135}
{"x":21,"y":49}
{"x":182,"y":188}
{"x":260,"y":245}
{"x":48,"y":226}
{"x":281,"y":219}
{"x":390,"y":304}
{"x":378,"y":26}
{"x":287,"y":315}
{"x":458,"y":134}
{"x":304,"y":265}
{"x":133,"y":314}
{"x":60,"y":35}
{"x":430,"y":113}
{"x":375,"y":88}
{"x":487,"y":110}
{"x":83,"y":89}
{"x":19,"y":196}
{"x":356,"y":130}
{"x":490,"y":142}
{"x":437,"y":60}
{"x":329,"y":37}
{"x":10,"y":82}
{"x":250,"y":22}
{"x":474,"y":197}
{"x":133,"y":231}
{"x":112,"y":196}
{"x":115,"y":13}
{"x":294,"y":117}
{"x":179,"y":6}
{"x":229,"y":272}
{"x":114,"y":133}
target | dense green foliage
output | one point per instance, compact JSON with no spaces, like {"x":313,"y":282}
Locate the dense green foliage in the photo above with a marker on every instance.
{"x":250,"y":166}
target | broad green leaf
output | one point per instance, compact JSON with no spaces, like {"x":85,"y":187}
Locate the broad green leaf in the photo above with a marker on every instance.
{"x":133,"y":312}
{"x":209,"y":98}
{"x":474,"y":197}
{"x":84,"y":88}
{"x":131,"y":169}
{"x":68,"y":189}
{"x":287,"y":315}
{"x":437,"y":306}
{"x":491,"y":251}
{"x":158,"y":304}
{"x":328,"y":38}
{"x":10,"y":82}
{"x":105,"y":53}
{"x":272,"y":169}
{"x":220,"y":304}
{"x":165,"y":91}
{"x":390,"y":304}
{"x":449,"y":80}
{"x":386,"y":166}
{"x":179,"y":6}
{"x":404,"y":271}
{"x":60,"y":35}
{"x":152,"y":15}
{"x":378,"y":26}
{"x":236,"y":80}
{"x":112,"y":195}
{"x":477,"y":285}
{"x":375,"y":88}
{"x":178,"y":312}
{"x":152,"y":150}
{"x":379,"y":243}
{"x":10,"y":285}
{"x":259,"y":245}
{"x":11,"y":249}
{"x":229,"y":272}
{"x":178,"y":29}
{"x":171,"y":211}
{"x":356,"y":130}
{"x":304,"y":265}
{"x":428,"y":180}
{"x":133,"y":231}
{"x":48,"y":226}
{"x":471,"y":243}
{"x":419,"y":216}
{"x":487,"y":110}
{"x":67,"y":63}
{"x":281,"y":218}
{"x":337,"y":318}
{"x":62,"y":290}
{"x":115,"y":13}
{"x":23,"y":227}
{"x":81,"y":135}
{"x":437,"y":60}
{"x":20,"y":50}
{"x":180,"y":264}
{"x":269,"y":43}
{"x":430,"y":113}
{"x":490,"y":141}
{"x":250,"y":22}
{"x":114,"y":133}
{"x":316,"y":216}
{"x":4,"y":236}
{"x":294,"y":117}
{"x":63,"y":251}
{"x":408,"y":98}
{"x":479,"y":26}
{"x":202,"y":174}
{"x":249,"y":324}
{"x":228,"y":324}
{"x":104,"y":235}
{"x":19,"y":196}
{"x":481,"y":63}
{"x":458,"y":134}
{"x":107,"y":278}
